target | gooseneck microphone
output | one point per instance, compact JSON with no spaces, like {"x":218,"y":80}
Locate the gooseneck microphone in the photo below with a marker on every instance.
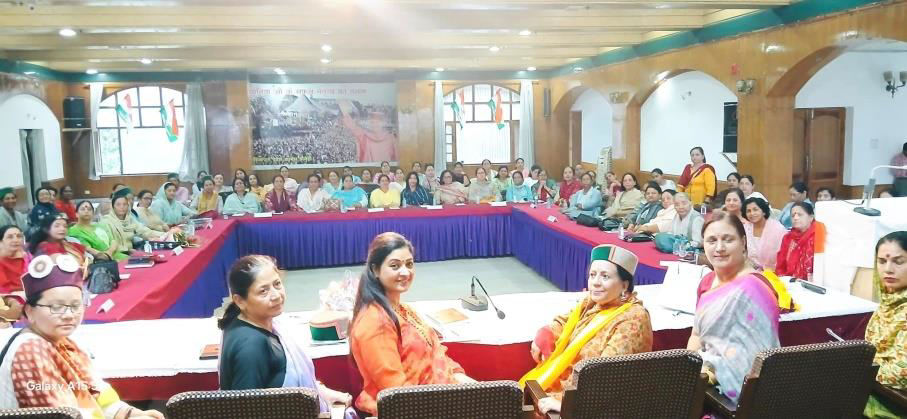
{"x":477,"y":302}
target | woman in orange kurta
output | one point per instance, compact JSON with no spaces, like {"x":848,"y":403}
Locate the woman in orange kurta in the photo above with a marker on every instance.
{"x":391,"y":344}
{"x":698,"y":178}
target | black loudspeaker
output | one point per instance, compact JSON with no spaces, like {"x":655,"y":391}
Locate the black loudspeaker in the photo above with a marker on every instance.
{"x":74,"y":112}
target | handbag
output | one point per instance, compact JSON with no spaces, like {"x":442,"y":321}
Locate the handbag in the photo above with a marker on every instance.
{"x":587,"y":220}
{"x":638,"y":237}
{"x":103,"y":276}
{"x":609,"y":224}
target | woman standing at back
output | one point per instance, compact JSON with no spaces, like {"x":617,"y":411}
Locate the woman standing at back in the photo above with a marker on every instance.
{"x":698,"y":178}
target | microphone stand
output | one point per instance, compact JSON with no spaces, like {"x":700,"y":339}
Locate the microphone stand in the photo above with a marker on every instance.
{"x":869,"y":190}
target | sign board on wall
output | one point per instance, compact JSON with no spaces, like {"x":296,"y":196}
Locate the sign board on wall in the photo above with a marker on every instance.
{"x":318,"y":124}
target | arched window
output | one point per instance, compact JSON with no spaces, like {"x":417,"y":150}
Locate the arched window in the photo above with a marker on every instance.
{"x":481,"y":121}
{"x":141,"y":130}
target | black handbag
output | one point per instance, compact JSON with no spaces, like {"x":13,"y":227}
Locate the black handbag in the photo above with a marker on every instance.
{"x":609,"y":224}
{"x":638,"y":237}
{"x":103,"y":276}
{"x":587,"y":220}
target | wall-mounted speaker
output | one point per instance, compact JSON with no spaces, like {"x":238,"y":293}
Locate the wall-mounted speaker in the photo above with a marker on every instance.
{"x":74,"y":112}
{"x":546,"y":102}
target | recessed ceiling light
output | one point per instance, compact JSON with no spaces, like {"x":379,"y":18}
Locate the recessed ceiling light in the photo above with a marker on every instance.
{"x":67,"y":32}
{"x":439,"y":69}
{"x":30,"y":73}
{"x":91,"y":71}
{"x":662,"y":6}
{"x":326,"y":48}
{"x":494,"y":48}
{"x":280,"y":71}
{"x":530,"y":68}
{"x":577,"y":69}
{"x":325,"y":60}
{"x":525,"y":32}
{"x":145,"y":61}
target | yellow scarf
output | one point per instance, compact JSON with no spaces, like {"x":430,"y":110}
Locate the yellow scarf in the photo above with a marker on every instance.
{"x":564,"y":354}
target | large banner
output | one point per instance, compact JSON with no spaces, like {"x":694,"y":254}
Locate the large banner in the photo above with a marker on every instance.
{"x":303,"y":125}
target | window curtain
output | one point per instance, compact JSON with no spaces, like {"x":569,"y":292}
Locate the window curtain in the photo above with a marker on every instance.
{"x":440,"y":143}
{"x":195,"y":148}
{"x":95,"y":92}
{"x":526,"y":143}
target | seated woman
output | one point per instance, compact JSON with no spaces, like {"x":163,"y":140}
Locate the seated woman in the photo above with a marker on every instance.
{"x":146,"y":215}
{"x":182,"y":193}
{"x":386,"y":170}
{"x":533,"y":177}
{"x":449,"y":191}
{"x":763,"y":234}
{"x":663,"y":219}
{"x":93,"y":236}
{"x":481,"y":190}
{"x":825,"y":194}
{"x":219,"y":186}
{"x":366,"y":176}
{"x":240,"y":201}
{"x":502,"y":181}
{"x":518,"y":191}
{"x":207,"y":199}
{"x":587,"y":200}
{"x":383,"y":196}
{"x":698,"y":178}
{"x":256,"y":188}
{"x":748,"y":186}
{"x":733,"y":180}
{"x":333,"y":183}
{"x":799,"y":192}
{"x":545,"y":188}
{"x":687,"y":223}
{"x":887,"y":330}
{"x":737,"y":309}
{"x":258,"y":349}
{"x":400,"y":180}
{"x":414,"y":193}
{"x":627,"y":199}
{"x":124,"y":228}
{"x":311,"y":199}
{"x":608,"y":321}
{"x":50,"y":239}
{"x":8,"y":213}
{"x":733,"y":203}
{"x":520,"y":166}
{"x":13,"y":262}
{"x":43,"y":353}
{"x":489,"y":171}
{"x":172,"y":211}
{"x":647,"y":210}
{"x":240,"y":173}
{"x":569,"y":185}
{"x":798,"y":247}
{"x":199,"y":182}
{"x":278,"y":199}
{"x":430,"y":181}
{"x":44,"y":207}
{"x":65,"y":205}
{"x":390,"y":343}
{"x":459,"y":175}
{"x":351,"y":196}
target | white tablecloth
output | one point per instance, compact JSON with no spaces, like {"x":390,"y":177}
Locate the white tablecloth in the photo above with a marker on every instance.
{"x":852,"y":238}
{"x":150,"y":348}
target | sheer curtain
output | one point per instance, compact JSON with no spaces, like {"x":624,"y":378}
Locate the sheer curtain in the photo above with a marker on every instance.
{"x":440,"y":143}
{"x":526,"y":144}
{"x":195,"y":142}
{"x":95,"y":92}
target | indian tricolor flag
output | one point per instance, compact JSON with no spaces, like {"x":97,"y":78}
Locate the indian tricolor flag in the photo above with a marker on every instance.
{"x":124,"y":111}
{"x":170,"y":125}
{"x":496,"y":110}
{"x":458,"y":107}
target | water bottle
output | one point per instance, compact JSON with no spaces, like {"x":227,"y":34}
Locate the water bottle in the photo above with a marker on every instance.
{"x":404,"y":203}
{"x":342,"y":208}
{"x":148,"y":248}
{"x":548,"y":204}
{"x":704,"y":208}
{"x":620,"y":232}
{"x":190,"y":228}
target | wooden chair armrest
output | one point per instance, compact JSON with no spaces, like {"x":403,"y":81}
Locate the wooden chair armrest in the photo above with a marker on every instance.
{"x":895,"y":396}
{"x":532,"y":393}
{"x":719,"y":403}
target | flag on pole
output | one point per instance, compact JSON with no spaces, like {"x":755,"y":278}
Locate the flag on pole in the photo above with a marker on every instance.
{"x":170,"y":125}
{"x":496,"y":110}
{"x":124,"y":111}
{"x":458,"y":107}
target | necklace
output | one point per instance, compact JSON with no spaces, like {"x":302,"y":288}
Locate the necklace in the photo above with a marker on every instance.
{"x":415,"y":322}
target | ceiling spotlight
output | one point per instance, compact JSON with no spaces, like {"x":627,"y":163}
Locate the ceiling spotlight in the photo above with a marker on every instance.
{"x":325,"y":60}
{"x":145,"y":61}
{"x":525,"y":32}
{"x":326,"y":48}
{"x":577,"y":69}
{"x":439,"y":69}
{"x":530,"y":68}
{"x":494,"y":48}
{"x":67,"y":32}
{"x":280,"y":71}
{"x":91,"y":71}
{"x":30,"y":73}
{"x":662,"y":6}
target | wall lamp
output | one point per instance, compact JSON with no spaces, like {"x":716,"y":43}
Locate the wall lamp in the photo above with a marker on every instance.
{"x":746,"y":86}
{"x":891,"y":85}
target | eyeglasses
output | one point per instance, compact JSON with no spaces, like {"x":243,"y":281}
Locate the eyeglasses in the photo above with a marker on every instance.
{"x":61,"y":308}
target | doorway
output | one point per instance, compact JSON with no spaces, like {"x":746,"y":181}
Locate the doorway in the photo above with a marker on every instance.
{"x":818,"y":148}
{"x":34,"y":168}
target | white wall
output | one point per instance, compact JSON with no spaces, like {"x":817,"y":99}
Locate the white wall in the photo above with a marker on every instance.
{"x":597,"y":123}
{"x":27,"y":112}
{"x":876,"y":123}
{"x":684,"y":112}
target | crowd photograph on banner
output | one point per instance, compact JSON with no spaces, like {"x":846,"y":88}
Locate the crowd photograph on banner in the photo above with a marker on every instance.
{"x":301,"y":125}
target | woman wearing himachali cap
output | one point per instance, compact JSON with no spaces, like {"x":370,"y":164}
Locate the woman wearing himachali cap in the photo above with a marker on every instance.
{"x":41,"y":366}
{"x":608,"y":321}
